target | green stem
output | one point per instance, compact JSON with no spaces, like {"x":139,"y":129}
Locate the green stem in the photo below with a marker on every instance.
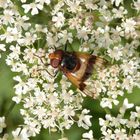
{"x":3,"y":29}
{"x":6,"y":116}
{"x":10,"y":109}
{"x":107,"y":111}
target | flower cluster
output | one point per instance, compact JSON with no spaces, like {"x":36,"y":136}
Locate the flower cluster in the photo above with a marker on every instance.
{"x":2,"y":127}
{"x":29,"y":31}
{"x":46,"y":103}
{"x":2,"y":124}
{"x":120,"y":126}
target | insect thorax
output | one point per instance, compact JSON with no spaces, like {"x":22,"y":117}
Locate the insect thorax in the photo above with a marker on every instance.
{"x":69,"y":62}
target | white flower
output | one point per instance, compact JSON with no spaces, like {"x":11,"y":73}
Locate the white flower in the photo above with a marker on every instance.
{"x":29,"y":38}
{"x":107,"y":102}
{"x":57,"y":7}
{"x":64,"y":37}
{"x":120,"y":134}
{"x":34,"y":7}
{"x":40,"y":96}
{"x":107,"y":16}
{"x":102,"y":37}
{"x":113,"y":83}
{"x":21,"y":134}
{"x":7,"y":35}
{"x":28,"y":102}
{"x":88,"y":135}
{"x":102,"y":122}
{"x":10,"y":35}
{"x":15,"y":52}
{"x":115,"y":93}
{"x":52,"y":40}
{"x":17,"y":99}
{"x":136,"y":135}
{"x":129,"y":25}
{"x":3,"y":3}
{"x":116,"y":34}
{"x":2,"y":47}
{"x":53,"y":99}
{"x":117,"y":2}
{"x":138,"y":111}
{"x":74,"y":22}
{"x":20,"y":23}
{"x":137,"y":5}
{"x":114,"y":70}
{"x":119,"y":13}
{"x":50,"y":86}
{"x":32,"y":126}
{"x":73,"y":5}
{"x":49,"y":122}
{"x":82,"y":33}
{"x":2,"y":123}
{"x":128,"y":83}
{"x":67,"y":96}
{"x":125,"y":106}
{"x":108,"y":135}
{"x":29,"y":55}
{"x":129,"y":66}
{"x":21,"y":88}
{"x":32,"y":84}
{"x":115,"y":53}
{"x":99,"y":87}
{"x":90,"y":5}
{"x":7,"y":17}
{"x":84,"y":119}
{"x":39,"y":112}
{"x":67,"y":124}
{"x":68,"y":112}
{"x":59,"y":19}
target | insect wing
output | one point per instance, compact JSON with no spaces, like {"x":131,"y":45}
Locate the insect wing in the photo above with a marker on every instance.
{"x":79,"y":84}
{"x":77,"y":78}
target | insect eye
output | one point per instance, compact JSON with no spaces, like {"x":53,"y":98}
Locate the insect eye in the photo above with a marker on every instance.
{"x":55,"y":63}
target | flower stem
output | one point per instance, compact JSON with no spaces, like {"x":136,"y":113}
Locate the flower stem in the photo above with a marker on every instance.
{"x":6,"y":116}
{"x":10,"y":109}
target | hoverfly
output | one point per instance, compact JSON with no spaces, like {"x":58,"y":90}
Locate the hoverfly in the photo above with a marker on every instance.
{"x":76,"y":66}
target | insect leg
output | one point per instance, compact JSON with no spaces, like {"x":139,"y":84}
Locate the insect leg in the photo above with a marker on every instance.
{"x":45,"y":65}
{"x":40,"y":57}
{"x":48,"y":72}
{"x":65,"y":49}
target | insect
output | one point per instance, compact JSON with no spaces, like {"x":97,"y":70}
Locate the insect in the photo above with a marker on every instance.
{"x":76,"y":66}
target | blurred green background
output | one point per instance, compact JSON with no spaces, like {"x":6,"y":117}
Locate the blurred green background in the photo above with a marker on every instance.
{"x":14,"y":118}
